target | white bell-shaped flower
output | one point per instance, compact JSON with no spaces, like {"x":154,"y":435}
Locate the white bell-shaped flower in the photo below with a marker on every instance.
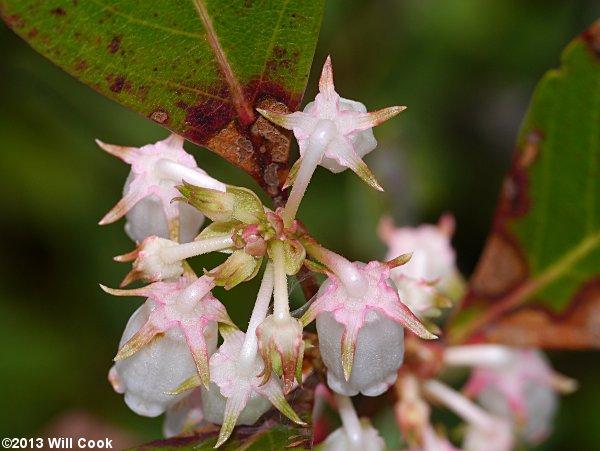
{"x":147,"y":376}
{"x":150,"y":188}
{"x":360,"y":322}
{"x":378,"y":355}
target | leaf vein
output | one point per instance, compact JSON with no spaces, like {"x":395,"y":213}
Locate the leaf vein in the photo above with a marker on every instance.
{"x":145,"y":23}
{"x":245,"y":112}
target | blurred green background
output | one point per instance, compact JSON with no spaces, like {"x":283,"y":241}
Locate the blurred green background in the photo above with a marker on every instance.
{"x":465,"y":69}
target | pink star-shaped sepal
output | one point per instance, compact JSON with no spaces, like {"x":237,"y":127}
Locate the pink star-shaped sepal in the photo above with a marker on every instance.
{"x":238,"y":379}
{"x":350,"y":309}
{"x":155,"y":170}
{"x":342,"y":124}
{"x":187,"y":304}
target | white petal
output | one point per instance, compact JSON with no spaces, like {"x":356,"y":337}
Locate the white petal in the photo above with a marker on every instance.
{"x":379,"y":353}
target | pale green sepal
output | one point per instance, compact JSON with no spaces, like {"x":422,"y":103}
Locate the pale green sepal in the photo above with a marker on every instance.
{"x":216,"y":205}
{"x":227,"y":331}
{"x":294,"y":256}
{"x":316,"y":266}
{"x":272,"y":391}
{"x":247,"y":206}
{"x":233,"y":408}
{"x":348,"y":349}
{"x":362,"y":170}
{"x":140,"y":339}
{"x":299,"y":363}
{"x":188,"y":384}
{"x":239,"y":267}
{"x":291,"y":178}
{"x":399,"y":261}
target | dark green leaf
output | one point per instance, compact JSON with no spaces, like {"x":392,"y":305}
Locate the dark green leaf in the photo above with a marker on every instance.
{"x":197,"y":67}
{"x":538,"y":280}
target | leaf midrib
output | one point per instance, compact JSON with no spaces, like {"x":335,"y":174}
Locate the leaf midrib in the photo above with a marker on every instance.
{"x":244,"y":111}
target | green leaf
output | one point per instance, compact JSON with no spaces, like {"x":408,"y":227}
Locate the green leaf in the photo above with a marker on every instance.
{"x":270,"y":433}
{"x":538,"y":280}
{"x":196,"y":67}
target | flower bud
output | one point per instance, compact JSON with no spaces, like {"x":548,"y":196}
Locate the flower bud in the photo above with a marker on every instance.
{"x":150,"y":263}
{"x":252,"y":241}
{"x":148,"y":375}
{"x":281,"y":345}
{"x":378,"y":355}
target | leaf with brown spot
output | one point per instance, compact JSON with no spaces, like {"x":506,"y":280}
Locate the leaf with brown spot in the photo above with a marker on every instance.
{"x":196,"y":67}
{"x":538,"y":280}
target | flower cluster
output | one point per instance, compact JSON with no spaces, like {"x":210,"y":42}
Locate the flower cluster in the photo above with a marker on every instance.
{"x":373,"y":320}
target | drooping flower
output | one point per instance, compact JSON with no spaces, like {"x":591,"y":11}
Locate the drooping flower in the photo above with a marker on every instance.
{"x":237,"y":394}
{"x":378,"y":353}
{"x":433,"y":258}
{"x":340,"y":128}
{"x":360,"y":321}
{"x":282,"y":348}
{"x":186,"y":306}
{"x":150,"y":187}
{"x":146,"y":377}
{"x":522,"y":388}
{"x":431,"y":269}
